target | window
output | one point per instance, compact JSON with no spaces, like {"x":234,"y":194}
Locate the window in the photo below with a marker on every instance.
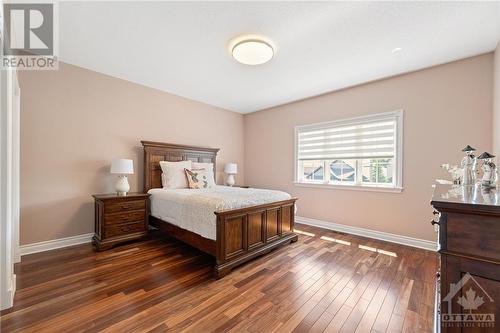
{"x":361,"y":152}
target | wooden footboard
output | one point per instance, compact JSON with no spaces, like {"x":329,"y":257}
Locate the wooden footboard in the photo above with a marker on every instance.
{"x":246,"y":233}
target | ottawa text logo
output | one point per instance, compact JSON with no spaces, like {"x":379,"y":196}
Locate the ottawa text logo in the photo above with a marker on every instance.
{"x":464,"y":303}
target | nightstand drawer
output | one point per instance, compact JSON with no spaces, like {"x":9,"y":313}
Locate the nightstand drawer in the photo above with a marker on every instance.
{"x":124,"y":229}
{"x":115,"y":207}
{"x":118,"y":218}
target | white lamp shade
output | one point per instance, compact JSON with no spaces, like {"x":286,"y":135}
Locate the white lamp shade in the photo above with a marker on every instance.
{"x":231,"y":168}
{"x":122,"y":166}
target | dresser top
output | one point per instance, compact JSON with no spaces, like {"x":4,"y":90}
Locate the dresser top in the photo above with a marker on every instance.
{"x":473,"y":197}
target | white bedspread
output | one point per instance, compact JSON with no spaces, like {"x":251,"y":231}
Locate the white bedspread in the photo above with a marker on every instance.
{"x":193,"y":210}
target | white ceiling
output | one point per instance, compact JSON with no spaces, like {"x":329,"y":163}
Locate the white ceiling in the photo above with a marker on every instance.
{"x":182,"y":48}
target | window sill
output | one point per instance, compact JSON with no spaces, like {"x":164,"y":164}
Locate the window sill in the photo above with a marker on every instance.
{"x":352,"y":187}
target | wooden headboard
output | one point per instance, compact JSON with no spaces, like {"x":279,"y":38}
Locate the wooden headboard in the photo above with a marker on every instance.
{"x":154,"y":152}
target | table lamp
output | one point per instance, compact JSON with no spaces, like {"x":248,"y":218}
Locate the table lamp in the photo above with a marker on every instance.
{"x":230,"y":170}
{"x":122,"y":167}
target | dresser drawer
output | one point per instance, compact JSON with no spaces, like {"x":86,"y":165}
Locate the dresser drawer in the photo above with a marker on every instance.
{"x":477,"y":235}
{"x":114,"y":207}
{"x":124,"y":229}
{"x":118,"y":218}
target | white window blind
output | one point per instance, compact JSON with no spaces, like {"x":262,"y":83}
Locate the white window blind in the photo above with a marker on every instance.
{"x":374,"y":138}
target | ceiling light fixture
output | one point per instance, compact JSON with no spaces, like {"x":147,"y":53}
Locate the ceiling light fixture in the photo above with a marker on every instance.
{"x":252,"y":51}
{"x":397,"y":50}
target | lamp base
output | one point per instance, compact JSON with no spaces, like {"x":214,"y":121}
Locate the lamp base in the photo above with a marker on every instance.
{"x":122,"y":186}
{"x":230,"y":180}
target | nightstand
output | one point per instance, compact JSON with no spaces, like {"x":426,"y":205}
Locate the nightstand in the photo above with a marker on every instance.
{"x":120,"y":218}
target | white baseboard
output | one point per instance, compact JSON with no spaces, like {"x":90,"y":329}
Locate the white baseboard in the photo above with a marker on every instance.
{"x":54,"y":244}
{"x":16,"y":257}
{"x":404,"y":240}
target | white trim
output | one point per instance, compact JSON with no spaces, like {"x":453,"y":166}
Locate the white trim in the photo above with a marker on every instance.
{"x":7,"y":276}
{"x":352,"y":187}
{"x":8,"y":299}
{"x":16,"y":147}
{"x":404,"y":240}
{"x":55,"y":244}
{"x":398,"y":170}
{"x":399,"y":148}
{"x":353,"y":120}
{"x":9,"y":181}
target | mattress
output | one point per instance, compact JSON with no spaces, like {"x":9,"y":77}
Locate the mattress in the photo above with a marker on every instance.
{"x":193,"y":210}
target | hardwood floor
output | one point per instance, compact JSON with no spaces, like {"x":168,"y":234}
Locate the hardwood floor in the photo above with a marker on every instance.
{"x":325,"y":282}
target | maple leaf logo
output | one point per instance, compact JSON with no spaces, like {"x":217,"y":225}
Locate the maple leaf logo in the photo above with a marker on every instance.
{"x":470,"y":301}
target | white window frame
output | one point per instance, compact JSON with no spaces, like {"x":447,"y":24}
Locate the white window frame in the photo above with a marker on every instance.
{"x":397,"y":186}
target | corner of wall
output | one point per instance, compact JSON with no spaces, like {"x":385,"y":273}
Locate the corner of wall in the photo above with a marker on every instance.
{"x":496,"y":102}
{"x":245,"y":150}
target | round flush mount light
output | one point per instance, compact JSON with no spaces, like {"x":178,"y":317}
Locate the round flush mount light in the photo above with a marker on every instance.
{"x":397,"y":50}
{"x":252,"y":51}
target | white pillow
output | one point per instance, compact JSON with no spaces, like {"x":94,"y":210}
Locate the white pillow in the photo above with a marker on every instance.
{"x":210,"y":171}
{"x":173,"y":175}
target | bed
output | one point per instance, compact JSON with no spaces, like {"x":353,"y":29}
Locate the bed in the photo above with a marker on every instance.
{"x":246,"y":223}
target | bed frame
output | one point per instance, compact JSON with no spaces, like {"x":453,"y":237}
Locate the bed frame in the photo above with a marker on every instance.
{"x":242,"y":234}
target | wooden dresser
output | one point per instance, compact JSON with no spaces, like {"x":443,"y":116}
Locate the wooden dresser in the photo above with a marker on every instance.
{"x":468,"y":219}
{"x":120,"y":218}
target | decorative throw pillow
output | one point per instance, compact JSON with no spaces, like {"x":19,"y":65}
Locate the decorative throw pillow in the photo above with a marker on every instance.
{"x":210,"y":171}
{"x":173,"y":175}
{"x":197,"y":178}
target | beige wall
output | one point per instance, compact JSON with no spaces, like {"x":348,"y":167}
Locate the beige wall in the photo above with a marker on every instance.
{"x":446,"y":107}
{"x":496,"y":104}
{"x":74,"y":121}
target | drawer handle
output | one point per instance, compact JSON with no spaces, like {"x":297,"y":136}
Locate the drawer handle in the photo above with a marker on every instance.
{"x":128,"y":228}
{"x":434,"y":222}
